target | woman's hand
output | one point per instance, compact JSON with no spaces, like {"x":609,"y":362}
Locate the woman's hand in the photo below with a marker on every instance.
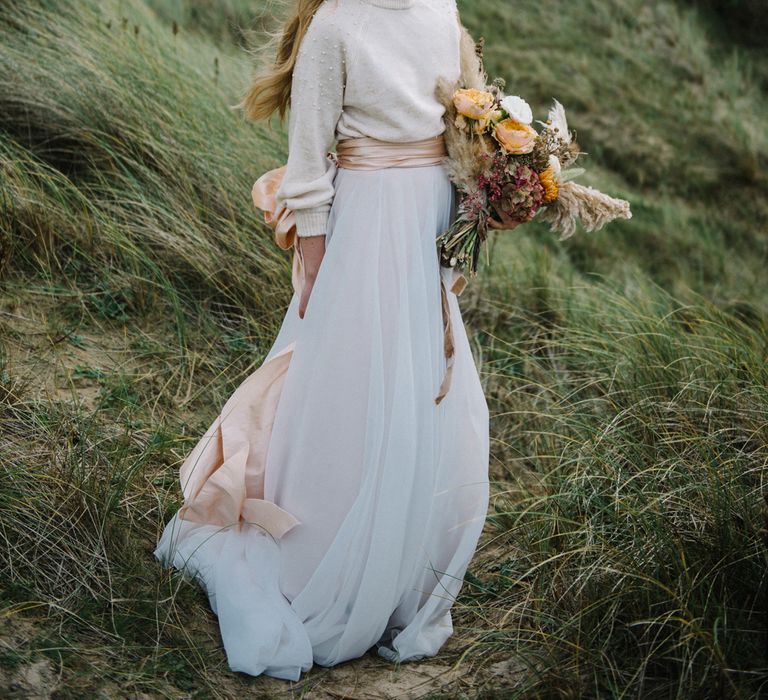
{"x":312,"y":250}
{"x":502,"y":221}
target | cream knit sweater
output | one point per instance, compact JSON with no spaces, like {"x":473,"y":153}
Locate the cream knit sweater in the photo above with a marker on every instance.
{"x":364,"y":68}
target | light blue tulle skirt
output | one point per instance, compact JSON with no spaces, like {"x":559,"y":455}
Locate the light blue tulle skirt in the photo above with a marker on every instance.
{"x":389,"y":489}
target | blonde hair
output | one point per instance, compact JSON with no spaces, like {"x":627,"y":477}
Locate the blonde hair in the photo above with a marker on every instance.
{"x":270,"y":89}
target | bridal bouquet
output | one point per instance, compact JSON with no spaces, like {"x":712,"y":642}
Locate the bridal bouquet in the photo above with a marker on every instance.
{"x":500,"y":162}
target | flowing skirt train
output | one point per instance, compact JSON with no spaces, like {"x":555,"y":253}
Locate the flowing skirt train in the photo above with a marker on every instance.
{"x":333,"y":506}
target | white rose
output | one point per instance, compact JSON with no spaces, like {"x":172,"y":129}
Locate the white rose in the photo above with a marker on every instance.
{"x":517,"y":108}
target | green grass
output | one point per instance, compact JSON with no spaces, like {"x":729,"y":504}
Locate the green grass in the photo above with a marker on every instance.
{"x":629,"y":529}
{"x":625,"y":550}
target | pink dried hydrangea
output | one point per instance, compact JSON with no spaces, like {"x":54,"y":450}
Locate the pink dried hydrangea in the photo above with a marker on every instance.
{"x":523,"y":193}
{"x":492,"y":180}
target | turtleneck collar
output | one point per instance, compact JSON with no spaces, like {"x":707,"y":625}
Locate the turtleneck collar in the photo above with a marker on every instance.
{"x":392,"y":4}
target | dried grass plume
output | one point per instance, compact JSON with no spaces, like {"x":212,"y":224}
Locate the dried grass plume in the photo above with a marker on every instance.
{"x":465,"y":162}
{"x":592,"y":207}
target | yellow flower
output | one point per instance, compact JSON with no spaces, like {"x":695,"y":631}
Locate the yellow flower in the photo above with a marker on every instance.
{"x":472,"y":103}
{"x":481,"y":125}
{"x":549,"y":183}
{"x":515,"y":137}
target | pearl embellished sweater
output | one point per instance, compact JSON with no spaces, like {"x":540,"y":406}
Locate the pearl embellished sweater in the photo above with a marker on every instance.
{"x":364,"y":68}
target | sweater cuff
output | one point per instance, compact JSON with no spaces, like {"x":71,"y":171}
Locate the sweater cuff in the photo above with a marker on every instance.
{"x":311,"y":222}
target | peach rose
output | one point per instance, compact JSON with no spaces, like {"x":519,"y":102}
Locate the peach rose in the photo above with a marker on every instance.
{"x":482,"y":125}
{"x":515,"y":137}
{"x":473,"y":103}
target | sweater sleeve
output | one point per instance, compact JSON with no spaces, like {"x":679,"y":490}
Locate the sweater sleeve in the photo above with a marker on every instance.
{"x":317,"y":92}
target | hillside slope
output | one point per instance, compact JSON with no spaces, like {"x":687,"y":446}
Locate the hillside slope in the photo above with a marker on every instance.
{"x":625,"y":551}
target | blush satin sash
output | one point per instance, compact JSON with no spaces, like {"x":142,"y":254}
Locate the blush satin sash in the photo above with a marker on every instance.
{"x":364,"y":153}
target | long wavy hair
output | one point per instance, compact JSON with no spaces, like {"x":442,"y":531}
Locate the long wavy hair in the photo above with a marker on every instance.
{"x":270,"y":89}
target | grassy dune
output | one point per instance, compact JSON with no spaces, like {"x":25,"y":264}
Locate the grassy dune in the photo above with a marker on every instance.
{"x":625,"y":549}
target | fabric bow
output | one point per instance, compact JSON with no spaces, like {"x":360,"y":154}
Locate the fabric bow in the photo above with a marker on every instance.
{"x":277,"y":217}
{"x":281,"y":219}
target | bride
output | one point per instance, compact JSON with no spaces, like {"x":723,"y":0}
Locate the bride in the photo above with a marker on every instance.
{"x":335,"y":503}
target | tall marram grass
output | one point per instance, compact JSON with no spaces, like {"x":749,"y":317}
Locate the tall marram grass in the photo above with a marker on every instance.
{"x":629,"y":534}
{"x":625,"y":552}
{"x":139,"y":151}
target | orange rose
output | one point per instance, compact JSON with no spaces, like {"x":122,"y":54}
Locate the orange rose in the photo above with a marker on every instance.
{"x":515,"y":137}
{"x":475,"y":104}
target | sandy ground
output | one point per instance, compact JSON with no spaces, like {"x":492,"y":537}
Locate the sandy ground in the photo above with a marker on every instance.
{"x":366,"y":678}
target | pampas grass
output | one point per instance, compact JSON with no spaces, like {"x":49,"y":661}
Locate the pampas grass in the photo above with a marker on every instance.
{"x":470,"y":57}
{"x":582,"y":203}
{"x":466,"y":159}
